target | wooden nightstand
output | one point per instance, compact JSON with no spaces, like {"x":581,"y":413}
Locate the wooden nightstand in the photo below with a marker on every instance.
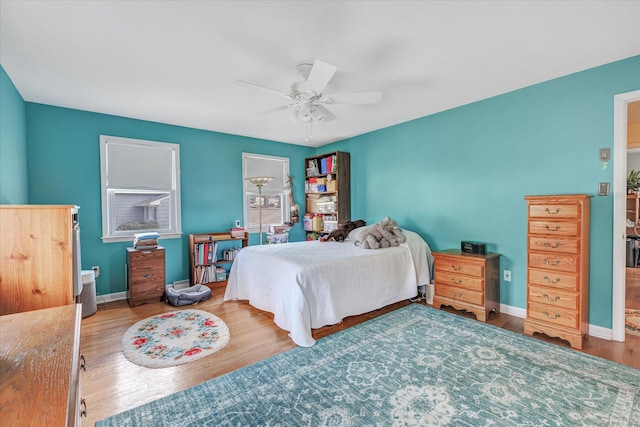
{"x":467,"y":282}
{"x":145,"y":275}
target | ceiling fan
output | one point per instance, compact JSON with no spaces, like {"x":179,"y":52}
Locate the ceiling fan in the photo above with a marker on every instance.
{"x":307,"y":98}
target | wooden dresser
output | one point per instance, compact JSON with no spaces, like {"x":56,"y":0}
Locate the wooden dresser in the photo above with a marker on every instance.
{"x":40,"y":367}
{"x":145,"y":275}
{"x":467,"y":282}
{"x":558,"y":266}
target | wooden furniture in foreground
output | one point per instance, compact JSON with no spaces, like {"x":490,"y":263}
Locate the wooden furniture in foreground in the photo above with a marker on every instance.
{"x":467,"y":282}
{"x":145,"y":275}
{"x":558,"y":267}
{"x":40,"y":365}
{"x":36,"y":257}
{"x":202,"y":272}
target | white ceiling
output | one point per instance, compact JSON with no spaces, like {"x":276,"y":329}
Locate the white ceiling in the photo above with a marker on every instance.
{"x":176,"y":61}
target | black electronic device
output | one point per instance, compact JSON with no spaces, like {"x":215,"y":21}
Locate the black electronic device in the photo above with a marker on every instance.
{"x":473,"y":248}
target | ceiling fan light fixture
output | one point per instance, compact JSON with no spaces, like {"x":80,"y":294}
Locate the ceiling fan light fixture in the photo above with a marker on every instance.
{"x":304,"y":112}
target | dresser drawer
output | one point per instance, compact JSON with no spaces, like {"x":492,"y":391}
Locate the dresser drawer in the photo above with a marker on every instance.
{"x":556,"y":262}
{"x":460,"y":294}
{"x":459,"y":265}
{"x":555,"y":315}
{"x":554,"y":244}
{"x":566,"y":281}
{"x":554,"y":211}
{"x":146,"y":274}
{"x":554,"y":297}
{"x":555,"y":228}
{"x":459,"y":280}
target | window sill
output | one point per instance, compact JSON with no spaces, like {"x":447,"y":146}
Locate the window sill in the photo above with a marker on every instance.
{"x":130,"y":238}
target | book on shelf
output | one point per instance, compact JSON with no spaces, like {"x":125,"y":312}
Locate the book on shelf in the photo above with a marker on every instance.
{"x":205,"y":253}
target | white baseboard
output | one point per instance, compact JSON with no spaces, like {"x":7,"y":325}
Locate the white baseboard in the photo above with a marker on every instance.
{"x":514,"y":311}
{"x":116,"y":296}
{"x":600,"y":332}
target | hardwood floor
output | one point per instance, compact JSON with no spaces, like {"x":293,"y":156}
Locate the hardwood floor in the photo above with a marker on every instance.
{"x":112,"y":384}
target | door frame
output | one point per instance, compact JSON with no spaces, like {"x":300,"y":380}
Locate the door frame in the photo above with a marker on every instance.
{"x":620,"y":102}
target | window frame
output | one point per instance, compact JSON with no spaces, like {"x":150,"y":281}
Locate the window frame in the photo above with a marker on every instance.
{"x":108,"y":194}
{"x":249,"y":190}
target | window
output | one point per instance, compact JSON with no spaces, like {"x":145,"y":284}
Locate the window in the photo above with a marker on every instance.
{"x":275,"y":206}
{"x":140,"y":188}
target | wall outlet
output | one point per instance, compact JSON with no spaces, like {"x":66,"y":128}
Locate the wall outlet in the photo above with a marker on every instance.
{"x":96,"y":270}
{"x":507,"y":275}
{"x":237,"y":223}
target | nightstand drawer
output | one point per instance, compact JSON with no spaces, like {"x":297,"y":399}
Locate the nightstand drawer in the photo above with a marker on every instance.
{"x":459,"y":280}
{"x":556,"y":262}
{"x":554,"y":244}
{"x":568,"y":228}
{"x":561,"y":211}
{"x":461,"y":266}
{"x":460,"y":294}
{"x":554,"y":279}
{"x":554,"y":297}
{"x":555,"y":315}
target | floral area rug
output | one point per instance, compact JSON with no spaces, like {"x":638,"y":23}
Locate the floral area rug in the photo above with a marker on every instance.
{"x":632,"y":321}
{"x":415,"y":366}
{"x":174,"y":338}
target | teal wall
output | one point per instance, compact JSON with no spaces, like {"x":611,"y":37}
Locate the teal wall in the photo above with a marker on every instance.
{"x":462,"y":174}
{"x":13,"y":144}
{"x":64,"y":168}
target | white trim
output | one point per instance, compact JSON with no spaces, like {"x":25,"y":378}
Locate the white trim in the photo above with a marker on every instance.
{"x":600,"y":332}
{"x":116,"y":296}
{"x":620,"y":102}
{"x":513,"y":311}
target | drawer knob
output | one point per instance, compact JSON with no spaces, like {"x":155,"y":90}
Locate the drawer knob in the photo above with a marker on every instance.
{"x":146,"y":276}
{"x":550,"y":262}
{"x":83,"y":411}
{"x":456,"y":282}
{"x":556,"y":228}
{"x":551,"y":245}
{"x":553,"y":282}
{"x":557,"y":298}
{"x":456,"y":268}
{"x":555,"y":316}
{"x":456,"y":294}
{"x":547,"y":210}
{"x":83,"y":363}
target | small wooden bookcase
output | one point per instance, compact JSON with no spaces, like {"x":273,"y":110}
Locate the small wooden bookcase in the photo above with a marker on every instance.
{"x":202,"y":268}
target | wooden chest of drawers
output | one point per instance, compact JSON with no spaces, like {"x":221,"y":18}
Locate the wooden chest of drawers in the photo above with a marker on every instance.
{"x":41,"y":363}
{"x":467,"y":282}
{"x":145,"y":275}
{"x":558,"y":266}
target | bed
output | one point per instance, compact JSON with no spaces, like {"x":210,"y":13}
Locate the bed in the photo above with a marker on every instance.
{"x":307,"y":285}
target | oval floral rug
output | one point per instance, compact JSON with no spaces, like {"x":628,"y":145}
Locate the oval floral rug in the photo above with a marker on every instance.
{"x":174,"y":338}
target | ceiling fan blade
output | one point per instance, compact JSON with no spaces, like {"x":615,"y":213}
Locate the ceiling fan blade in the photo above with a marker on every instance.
{"x":249,"y":84}
{"x":353,"y":98}
{"x":273,"y":110}
{"x":320,"y":75}
{"x":322,"y":114}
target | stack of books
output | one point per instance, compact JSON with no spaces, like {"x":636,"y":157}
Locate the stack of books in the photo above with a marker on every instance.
{"x":147,"y":240}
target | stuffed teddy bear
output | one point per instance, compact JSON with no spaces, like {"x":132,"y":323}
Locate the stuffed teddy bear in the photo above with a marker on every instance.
{"x":383,"y":234}
{"x":340,"y":234}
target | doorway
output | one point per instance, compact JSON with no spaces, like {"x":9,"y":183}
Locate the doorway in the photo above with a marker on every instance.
{"x":621,"y":103}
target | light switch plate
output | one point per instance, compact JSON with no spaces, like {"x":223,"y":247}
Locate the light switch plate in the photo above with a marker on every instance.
{"x":605,"y":154}
{"x":603,"y":189}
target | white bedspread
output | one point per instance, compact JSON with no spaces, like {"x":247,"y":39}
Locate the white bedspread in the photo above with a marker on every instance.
{"x":312,"y":284}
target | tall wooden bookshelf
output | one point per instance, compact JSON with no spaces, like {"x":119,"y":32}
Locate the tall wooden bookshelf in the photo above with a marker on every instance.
{"x":202,"y":265}
{"x":327,"y":177}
